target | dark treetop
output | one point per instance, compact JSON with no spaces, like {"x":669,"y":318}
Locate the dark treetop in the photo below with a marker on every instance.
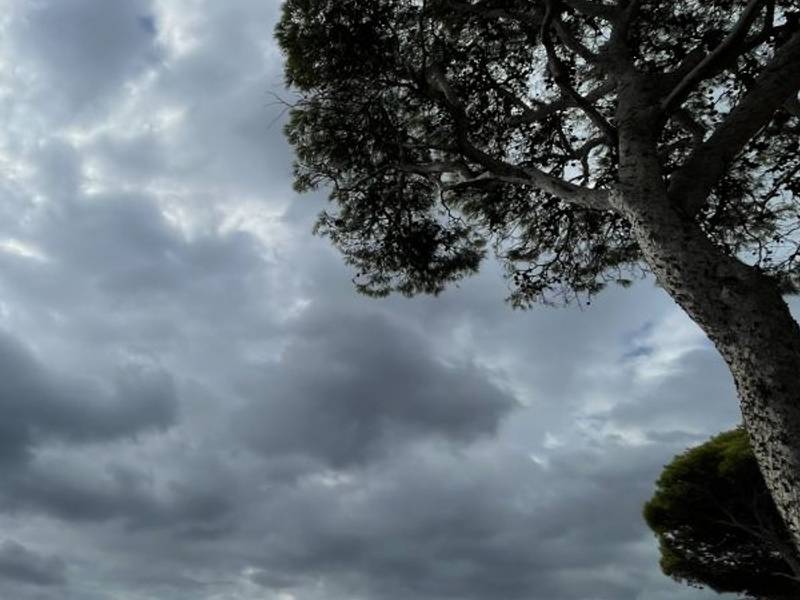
{"x":717,"y":524}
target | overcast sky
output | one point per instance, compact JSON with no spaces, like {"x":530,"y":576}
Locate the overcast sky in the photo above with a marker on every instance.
{"x":196,"y":405}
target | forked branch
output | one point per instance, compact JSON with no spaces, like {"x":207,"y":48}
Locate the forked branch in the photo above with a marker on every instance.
{"x":500,"y":169}
{"x":736,"y":36}
{"x":777,"y":84}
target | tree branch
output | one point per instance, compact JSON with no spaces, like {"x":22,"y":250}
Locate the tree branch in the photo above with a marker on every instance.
{"x":728,"y":59}
{"x":627,"y":12}
{"x":560,"y":76}
{"x":545,"y":110}
{"x":592,"y":9}
{"x":436,"y":168}
{"x":778,"y":83}
{"x":596,"y":199}
{"x":700,"y":71}
{"x":792,"y":106}
{"x":685,"y":119}
{"x":491,"y":13}
{"x":573,"y":44}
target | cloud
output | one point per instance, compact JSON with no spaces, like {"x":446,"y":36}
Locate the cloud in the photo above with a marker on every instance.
{"x":19,"y":564}
{"x":82,"y":52}
{"x":349,"y":388}
{"x":472,"y":524}
{"x":42,"y":405}
{"x":181,"y":508}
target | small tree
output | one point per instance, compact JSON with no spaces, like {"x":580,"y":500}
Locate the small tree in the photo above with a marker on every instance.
{"x":717,"y":524}
{"x":586,"y":141}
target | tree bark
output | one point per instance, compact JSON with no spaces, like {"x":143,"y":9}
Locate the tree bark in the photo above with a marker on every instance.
{"x":740,"y":309}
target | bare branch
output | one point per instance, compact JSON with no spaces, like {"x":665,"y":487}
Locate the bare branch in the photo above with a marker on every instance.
{"x":436,"y":168}
{"x":559,"y":74}
{"x":700,"y":71}
{"x":568,"y":192}
{"x":583,"y":153}
{"x":792,"y":106}
{"x":685,"y":119}
{"x":728,"y":59}
{"x":687,"y":64}
{"x":778,"y":83}
{"x":545,"y":110}
{"x":628,"y":10}
{"x":573,"y":44}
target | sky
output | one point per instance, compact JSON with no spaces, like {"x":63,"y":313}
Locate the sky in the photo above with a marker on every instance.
{"x":197,"y":404}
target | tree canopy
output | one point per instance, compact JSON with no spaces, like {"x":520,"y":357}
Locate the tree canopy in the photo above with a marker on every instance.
{"x":717,"y":524}
{"x":445,"y":127}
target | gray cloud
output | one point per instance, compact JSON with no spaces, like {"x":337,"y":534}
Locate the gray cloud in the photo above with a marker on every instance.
{"x":19,"y":564}
{"x":42,"y":405}
{"x":474,"y":525}
{"x":186,"y":509}
{"x":351,"y":387}
{"x":705,"y":392}
{"x":86,"y":50}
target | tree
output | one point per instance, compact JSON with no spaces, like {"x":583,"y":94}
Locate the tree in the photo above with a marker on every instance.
{"x":585,"y":141}
{"x":717,"y":524}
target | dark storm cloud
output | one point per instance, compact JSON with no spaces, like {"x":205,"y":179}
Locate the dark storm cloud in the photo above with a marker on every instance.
{"x":349,"y":388}
{"x":38,"y":404}
{"x":19,"y":564}
{"x":181,"y":508}
{"x":126,"y":249}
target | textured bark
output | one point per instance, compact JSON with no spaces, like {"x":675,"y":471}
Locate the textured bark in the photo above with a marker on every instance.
{"x":741,"y":310}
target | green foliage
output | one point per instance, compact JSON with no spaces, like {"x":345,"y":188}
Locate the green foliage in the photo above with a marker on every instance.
{"x":422,"y":118}
{"x":717,"y":525}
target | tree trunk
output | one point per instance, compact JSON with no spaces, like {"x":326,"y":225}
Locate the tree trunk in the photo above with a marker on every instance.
{"x":743,"y":313}
{"x":740,"y":309}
